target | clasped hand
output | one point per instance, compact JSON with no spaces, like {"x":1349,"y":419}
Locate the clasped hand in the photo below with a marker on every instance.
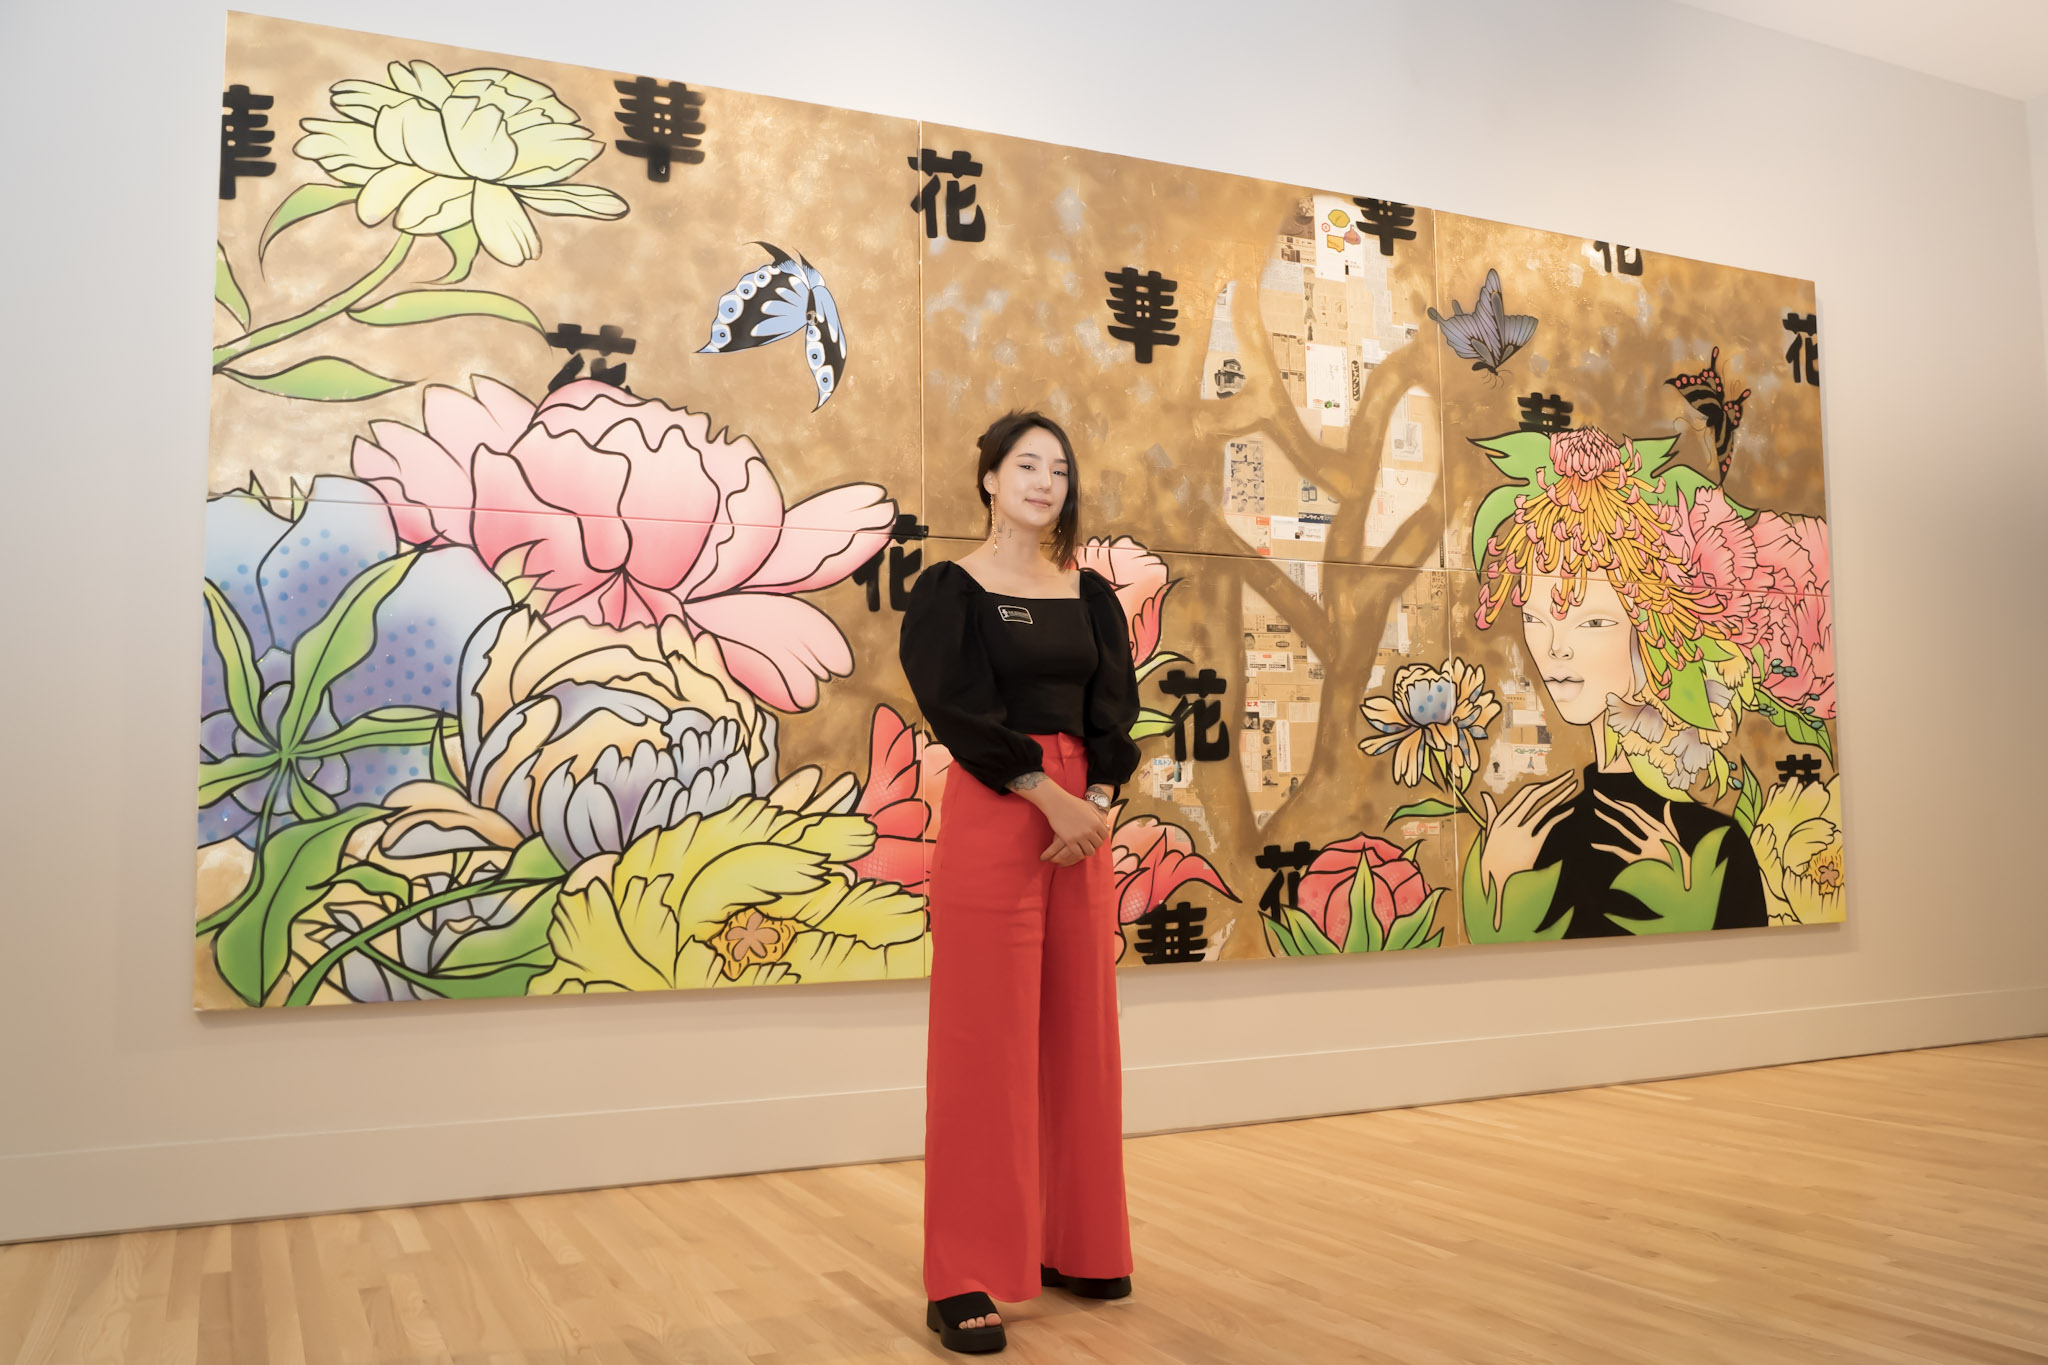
{"x":1078,"y":829}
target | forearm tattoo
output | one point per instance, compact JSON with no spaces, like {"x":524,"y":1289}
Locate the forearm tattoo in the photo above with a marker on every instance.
{"x":1026,"y":782}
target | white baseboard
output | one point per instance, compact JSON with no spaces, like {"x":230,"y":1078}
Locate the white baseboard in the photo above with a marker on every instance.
{"x":106,"y":1189}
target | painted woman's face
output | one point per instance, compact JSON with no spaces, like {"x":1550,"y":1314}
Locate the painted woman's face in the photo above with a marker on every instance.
{"x":1030,"y":485}
{"x":1585,"y":657}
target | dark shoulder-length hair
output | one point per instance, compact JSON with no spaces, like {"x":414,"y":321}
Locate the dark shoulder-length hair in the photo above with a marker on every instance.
{"x":997,"y":442}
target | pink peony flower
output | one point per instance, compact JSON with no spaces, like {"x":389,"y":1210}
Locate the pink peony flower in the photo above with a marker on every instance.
{"x":1796,"y":627}
{"x":1719,"y":552}
{"x":632,"y":512}
{"x":1771,"y":579}
{"x":1325,"y":891}
{"x":1139,"y":577}
{"x":1585,"y":454}
{"x":1149,"y":861}
{"x":1793,"y":551}
{"x":906,"y":781}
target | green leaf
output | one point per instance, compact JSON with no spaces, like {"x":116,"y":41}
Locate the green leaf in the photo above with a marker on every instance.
{"x":1427,"y":809}
{"x":393,"y":725}
{"x":483,"y":950}
{"x":1688,"y":699}
{"x":1312,"y":941}
{"x":324,"y":379}
{"x":1150,"y":723}
{"x":226,"y":292}
{"x":1798,"y":727}
{"x":1660,"y":885}
{"x":1718,"y":774}
{"x":431,"y":305}
{"x":1749,"y":801}
{"x":1655,"y":453}
{"x":437,"y":754}
{"x":375,"y":880}
{"x":534,"y":861}
{"x":310,"y":981}
{"x":1158,"y":660}
{"x":508,"y":980}
{"x":462,"y":245}
{"x":302,"y":203}
{"x":226,"y":775}
{"x":292,"y":869}
{"x":308,"y":801}
{"x":1280,"y":939}
{"x":1525,"y":900}
{"x":1408,"y":929}
{"x":238,"y":664}
{"x":336,"y":643}
{"x":1363,"y":933}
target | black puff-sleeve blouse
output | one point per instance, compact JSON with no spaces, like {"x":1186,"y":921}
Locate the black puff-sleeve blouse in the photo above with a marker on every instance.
{"x":1059,"y":665}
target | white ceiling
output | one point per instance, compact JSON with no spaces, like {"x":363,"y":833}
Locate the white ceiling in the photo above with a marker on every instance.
{"x":1995,"y":45}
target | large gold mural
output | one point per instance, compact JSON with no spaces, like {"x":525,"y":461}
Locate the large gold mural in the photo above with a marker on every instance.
{"x":577,"y":436}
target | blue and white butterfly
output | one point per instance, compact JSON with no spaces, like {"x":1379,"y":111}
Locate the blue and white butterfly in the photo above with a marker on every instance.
{"x":1489,"y":334}
{"x":780,"y":299}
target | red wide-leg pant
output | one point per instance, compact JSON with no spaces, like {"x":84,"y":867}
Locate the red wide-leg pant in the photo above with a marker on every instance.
{"x":1024,"y":1076}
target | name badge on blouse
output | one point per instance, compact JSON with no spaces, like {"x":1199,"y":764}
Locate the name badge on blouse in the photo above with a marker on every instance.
{"x":1022,"y":614}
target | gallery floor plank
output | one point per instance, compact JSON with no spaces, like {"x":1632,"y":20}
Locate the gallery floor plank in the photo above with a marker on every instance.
{"x":1874,"y":1209}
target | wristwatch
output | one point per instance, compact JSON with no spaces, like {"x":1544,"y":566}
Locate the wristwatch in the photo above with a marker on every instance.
{"x":1099,"y":801}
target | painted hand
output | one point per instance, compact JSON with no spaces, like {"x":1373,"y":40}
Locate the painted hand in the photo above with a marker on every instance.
{"x":1641,"y":837}
{"x":1515,"y":832}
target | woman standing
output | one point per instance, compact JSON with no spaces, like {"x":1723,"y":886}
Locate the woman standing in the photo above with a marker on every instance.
{"x":1021,"y":664}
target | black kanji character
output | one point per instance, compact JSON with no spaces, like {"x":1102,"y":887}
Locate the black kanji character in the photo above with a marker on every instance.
{"x":1619,"y":259}
{"x":608,"y":340}
{"x":1804,"y":352}
{"x":1800,"y":768}
{"x":959,"y":197}
{"x":1192,"y":702}
{"x":1172,"y":933}
{"x":1386,"y":220}
{"x":1545,"y":412}
{"x":661,"y":123}
{"x":1139,"y":303}
{"x":1286,"y":865}
{"x":903,"y":565}
{"x":245,"y":137}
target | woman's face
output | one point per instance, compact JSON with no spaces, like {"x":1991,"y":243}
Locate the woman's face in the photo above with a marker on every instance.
{"x":1030,"y":486}
{"x":1585,"y":657}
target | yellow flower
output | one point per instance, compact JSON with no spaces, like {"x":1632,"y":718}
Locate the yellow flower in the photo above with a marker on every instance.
{"x":481,"y":146}
{"x":1798,"y":843}
{"x":752,"y":895}
{"x":1432,"y":722}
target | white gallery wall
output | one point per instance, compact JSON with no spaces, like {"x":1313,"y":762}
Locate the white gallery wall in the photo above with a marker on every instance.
{"x":1916,"y":205}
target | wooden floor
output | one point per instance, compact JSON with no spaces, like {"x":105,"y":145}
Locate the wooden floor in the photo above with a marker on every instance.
{"x":1889,"y":1208}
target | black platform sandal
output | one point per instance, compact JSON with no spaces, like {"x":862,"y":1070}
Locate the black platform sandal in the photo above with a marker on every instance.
{"x":944,"y":1316}
{"x":1118,"y":1288}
